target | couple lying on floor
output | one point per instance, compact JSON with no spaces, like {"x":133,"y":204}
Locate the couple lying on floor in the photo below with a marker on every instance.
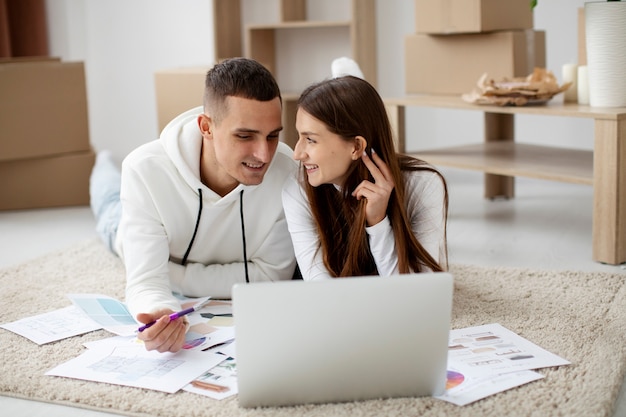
{"x":218,"y":199}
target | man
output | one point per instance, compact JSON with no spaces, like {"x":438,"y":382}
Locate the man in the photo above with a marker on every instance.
{"x":201,"y":206}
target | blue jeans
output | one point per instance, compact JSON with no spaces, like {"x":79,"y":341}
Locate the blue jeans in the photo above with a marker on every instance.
{"x":104,"y":191}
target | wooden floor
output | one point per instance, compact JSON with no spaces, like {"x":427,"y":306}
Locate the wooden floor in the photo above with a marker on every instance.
{"x":546,"y":226}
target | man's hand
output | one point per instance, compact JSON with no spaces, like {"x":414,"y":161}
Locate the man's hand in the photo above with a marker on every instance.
{"x":165,"y":335}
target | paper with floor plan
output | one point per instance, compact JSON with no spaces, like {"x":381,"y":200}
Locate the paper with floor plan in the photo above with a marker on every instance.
{"x":132,"y":365}
{"x":123,"y":360}
{"x":54,"y":325}
{"x":113,"y":342}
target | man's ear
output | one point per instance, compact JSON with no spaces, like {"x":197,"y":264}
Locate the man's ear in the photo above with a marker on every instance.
{"x":205,"y":125}
{"x":360,"y":144}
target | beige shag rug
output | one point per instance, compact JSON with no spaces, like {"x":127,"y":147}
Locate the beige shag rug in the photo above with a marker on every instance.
{"x":579,"y":316}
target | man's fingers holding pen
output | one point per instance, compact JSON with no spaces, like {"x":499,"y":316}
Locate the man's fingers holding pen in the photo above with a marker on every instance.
{"x":165,"y":335}
{"x":170,"y":339}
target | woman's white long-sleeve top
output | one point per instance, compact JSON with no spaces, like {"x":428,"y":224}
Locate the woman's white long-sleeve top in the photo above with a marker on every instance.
{"x":425,"y":207}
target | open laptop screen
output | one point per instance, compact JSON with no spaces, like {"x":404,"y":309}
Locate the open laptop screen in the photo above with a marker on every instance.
{"x":343,"y":339}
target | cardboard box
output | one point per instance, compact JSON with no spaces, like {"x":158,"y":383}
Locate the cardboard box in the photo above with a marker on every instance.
{"x":452,"y":64}
{"x":178,"y":90}
{"x":43,"y":108}
{"x":472,"y":16}
{"x":52,"y":181}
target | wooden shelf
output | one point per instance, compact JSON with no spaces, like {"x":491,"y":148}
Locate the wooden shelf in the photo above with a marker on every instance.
{"x":261,"y":39}
{"x":260,"y":44}
{"x":501,"y":159}
{"x":304,"y":24}
{"x":516,"y":159}
{"x":227,"y":39}
{"x":549,"y":109}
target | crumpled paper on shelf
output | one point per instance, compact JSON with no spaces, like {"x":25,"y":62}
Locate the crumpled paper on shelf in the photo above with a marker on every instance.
{"x":536,"y":88}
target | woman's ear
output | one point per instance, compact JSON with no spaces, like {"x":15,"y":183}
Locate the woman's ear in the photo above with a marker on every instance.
{"x":204,"y":123}
{"x":360,"y":144}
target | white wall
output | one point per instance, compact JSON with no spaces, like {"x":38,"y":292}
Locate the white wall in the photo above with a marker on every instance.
{"x":124,"y":42}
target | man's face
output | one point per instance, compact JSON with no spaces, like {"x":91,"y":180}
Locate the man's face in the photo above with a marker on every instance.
{"x":242,"y":144}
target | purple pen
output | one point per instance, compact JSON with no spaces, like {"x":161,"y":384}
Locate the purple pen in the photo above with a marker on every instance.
{"x":173,"y":316}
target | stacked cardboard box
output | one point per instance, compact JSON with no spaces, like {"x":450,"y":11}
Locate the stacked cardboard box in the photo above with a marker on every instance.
{"x":178,"y":90}
{"x":45,"y":153}
{"x":457,"y":41}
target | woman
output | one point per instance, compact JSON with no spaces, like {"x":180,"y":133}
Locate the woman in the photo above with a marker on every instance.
{"x":359,"y":208}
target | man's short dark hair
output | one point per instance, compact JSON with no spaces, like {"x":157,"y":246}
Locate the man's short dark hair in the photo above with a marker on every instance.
{"x":238,"y":77}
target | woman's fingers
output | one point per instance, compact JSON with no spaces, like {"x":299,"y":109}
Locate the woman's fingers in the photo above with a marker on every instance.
{"x":382,"y":166}
{"x":378,"y":192}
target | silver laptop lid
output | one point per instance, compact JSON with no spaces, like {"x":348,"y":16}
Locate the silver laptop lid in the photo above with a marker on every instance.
{"x":342,"y":339}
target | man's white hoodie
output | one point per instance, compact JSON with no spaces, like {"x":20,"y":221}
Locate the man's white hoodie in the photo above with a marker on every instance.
{"x":164,"y":201}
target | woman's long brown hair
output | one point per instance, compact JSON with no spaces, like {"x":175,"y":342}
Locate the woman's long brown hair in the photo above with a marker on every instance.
{"x":350,"y":107}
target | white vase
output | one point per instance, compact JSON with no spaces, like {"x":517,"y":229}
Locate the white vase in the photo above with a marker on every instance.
{"x":605,"y":28}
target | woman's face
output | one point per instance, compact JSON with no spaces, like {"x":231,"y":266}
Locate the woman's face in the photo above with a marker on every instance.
{"x":326,"y":156}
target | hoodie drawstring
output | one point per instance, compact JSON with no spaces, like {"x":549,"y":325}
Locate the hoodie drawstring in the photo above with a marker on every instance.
{"x":195,"y":230}
{"x":243,"y":236}
{"x":243,"y":232}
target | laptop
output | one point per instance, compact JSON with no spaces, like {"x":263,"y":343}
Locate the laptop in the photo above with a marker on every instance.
{"x":342,"y":340}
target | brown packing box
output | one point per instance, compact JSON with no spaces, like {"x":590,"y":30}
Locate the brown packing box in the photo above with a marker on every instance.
{"x":43,"y":108}
{"x":472,"y":16}
{"x":452,"y":64}
{"x":52,"y":181}
{"x":178,"y":90}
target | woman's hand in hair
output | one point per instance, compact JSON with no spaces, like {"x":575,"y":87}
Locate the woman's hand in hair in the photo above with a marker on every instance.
{"x":377,"y":193}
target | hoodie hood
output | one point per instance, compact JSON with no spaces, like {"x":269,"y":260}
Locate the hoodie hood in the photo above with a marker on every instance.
{"x":182,"y":141}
